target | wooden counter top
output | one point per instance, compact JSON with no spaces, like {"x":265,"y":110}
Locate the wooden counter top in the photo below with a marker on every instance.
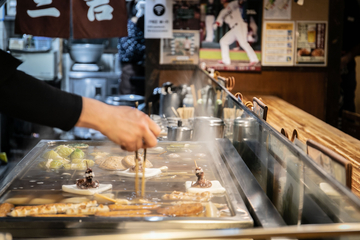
{"x":282,"y":114}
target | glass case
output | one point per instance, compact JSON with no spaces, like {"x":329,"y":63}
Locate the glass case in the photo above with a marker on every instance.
{"x":272,"y":188}
{"x":290,"y":188}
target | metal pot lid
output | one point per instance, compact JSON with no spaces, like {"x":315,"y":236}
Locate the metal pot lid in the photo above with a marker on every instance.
{"x":87,"y":46}
{"x":213,"y":121}
{"x":126,"y":98}
{"x":243,"y":121}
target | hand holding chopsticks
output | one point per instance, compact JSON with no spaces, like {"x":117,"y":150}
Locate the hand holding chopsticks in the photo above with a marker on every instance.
{"x":125,"y":126}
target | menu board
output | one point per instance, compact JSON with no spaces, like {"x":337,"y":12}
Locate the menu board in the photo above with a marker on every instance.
{"x":278,"y":44}
{"x":311,"y":47}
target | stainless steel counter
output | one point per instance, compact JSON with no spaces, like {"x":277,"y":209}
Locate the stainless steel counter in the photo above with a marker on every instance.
{"x":29,"y":179}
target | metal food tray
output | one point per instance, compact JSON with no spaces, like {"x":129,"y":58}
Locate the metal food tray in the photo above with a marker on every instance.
{"x":28,"y":179}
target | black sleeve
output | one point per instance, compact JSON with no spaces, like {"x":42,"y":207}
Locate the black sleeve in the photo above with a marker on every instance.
{"x":8,"y":65}
{"x":25,"y":97}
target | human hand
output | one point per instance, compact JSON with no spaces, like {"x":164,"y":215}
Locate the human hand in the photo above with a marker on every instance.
{"x":215,"y":26}
{"x":125,"y":126}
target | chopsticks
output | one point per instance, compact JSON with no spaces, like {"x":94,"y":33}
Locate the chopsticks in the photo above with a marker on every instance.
{"x":144,"y":163}
{"x":175,"y":112}
{"x":194,"y":95}
{"x":185,"y":112}
{"x":136,"y":164}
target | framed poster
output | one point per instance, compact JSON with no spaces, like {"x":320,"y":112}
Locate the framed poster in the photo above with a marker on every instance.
{"x":280,"y":9}
{"x":183,"y":48}
{"x":230,"y":35}
{"x":311,"y":43}
{"x":278,"y":43}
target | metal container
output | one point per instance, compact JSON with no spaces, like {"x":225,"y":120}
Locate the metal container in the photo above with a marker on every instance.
{"x":171,"y":97}
{"x":86,"y":53}
{"x":125,"y":100}
{"x":179,"y":133}
{"x":245,"y":129}
{"x":172,"y":121}
{"x":29,"y":181}
{"x":208,"y":128}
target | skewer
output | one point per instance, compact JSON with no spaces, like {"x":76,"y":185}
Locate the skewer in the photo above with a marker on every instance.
{"x":194,"y":94}
{"x":143,"y":176}
{"x":195,"y":163}
{"x":136,"y":173}
{"x":105,"y":197}
{"x":160,"y":154}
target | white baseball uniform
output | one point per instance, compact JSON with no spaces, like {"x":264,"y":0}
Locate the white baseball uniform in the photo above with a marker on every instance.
{"x":232,"y":16}
{"x":209,"y":21}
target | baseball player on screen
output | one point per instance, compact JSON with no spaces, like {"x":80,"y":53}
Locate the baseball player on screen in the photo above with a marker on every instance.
{"x":209,"y":20}
{"x":239,"y":29}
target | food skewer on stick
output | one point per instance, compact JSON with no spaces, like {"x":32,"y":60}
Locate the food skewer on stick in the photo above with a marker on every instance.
{"x":201,"y":181}
{"x":105,"y":197}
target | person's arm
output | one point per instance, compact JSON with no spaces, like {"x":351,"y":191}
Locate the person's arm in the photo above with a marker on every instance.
{"x":219,"y":19}
{"x":126,"y":126}
{"x":27,"y":98}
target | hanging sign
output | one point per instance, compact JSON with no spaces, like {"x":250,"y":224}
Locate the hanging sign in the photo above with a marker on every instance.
{"x":91,"y":18}
{"x":278,"y":44}
{"x":50,"y":18}
{"x":99,"y":18}
{"x":158,"y":19}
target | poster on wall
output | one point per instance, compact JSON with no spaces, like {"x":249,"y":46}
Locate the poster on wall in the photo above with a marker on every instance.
{"x":230,"y":34}
{"x":277,"y":9}
{"x":278,"y":44}
{"x":183,"y":48}
{"x":158,"y":19}
{"x":311,"y":43}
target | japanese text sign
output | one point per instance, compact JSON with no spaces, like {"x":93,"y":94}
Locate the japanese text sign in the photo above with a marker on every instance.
{"x":49,"y":18}
{"x":99,"y":18}
{"x":91,"y":18}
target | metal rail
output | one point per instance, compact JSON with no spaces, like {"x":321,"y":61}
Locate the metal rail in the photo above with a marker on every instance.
{"x":299,"y":232}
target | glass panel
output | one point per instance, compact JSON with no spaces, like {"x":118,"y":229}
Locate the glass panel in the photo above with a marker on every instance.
{"x":332,"y":167}
{"x":301,"y":191}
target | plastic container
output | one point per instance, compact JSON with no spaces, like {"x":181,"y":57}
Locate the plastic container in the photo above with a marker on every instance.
{"x":42,"y":43}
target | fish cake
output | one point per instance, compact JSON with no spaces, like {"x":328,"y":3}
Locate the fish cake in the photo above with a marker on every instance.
{"x":5,"y":208}
{"x":113,"y":163}
{"x":182,"y":210}
{"x":188,"y":196}
{"x":127,"y":213}
{"x":115,"y":207}
{"x":129,"y":161}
